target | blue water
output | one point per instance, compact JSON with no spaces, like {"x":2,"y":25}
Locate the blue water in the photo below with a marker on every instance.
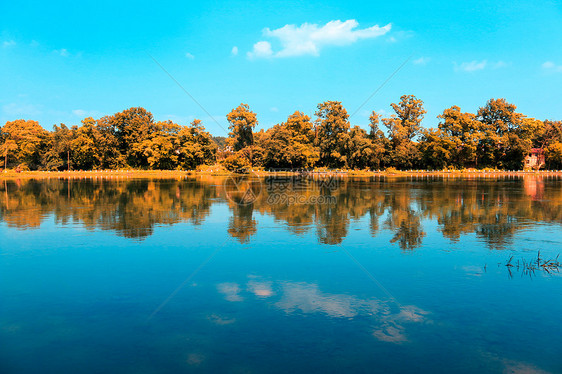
{"x":402,"y":275}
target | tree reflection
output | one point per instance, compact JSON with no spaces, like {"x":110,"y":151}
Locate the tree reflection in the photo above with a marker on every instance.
{"x":131,"y":208}
{"x":493,"y":210}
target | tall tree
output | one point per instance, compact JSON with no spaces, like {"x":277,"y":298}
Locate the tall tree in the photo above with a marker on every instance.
{"x":196,"y":146}
{"x":403,"y":127}
{"x":7,"y":147}
{"x":504,"y":144}
{"x":86,"y":146}
{"x":360,"y":148}
{"x":379,"y":142}
{"x":108,"y":144}
{"x":332,"y":126}
{"x":62,"y":141}
{"x":161,"y":147}
{"x":289,"y":144}
{"x":241,"y":124}
{"x":462,"y":135}
{"x":131,"y":127}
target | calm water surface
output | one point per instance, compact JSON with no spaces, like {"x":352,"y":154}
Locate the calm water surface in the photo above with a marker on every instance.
{"x":279,"y":275}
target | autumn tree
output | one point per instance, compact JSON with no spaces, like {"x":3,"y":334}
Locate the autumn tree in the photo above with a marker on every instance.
{"x":504,"y":144}
{"x":332,"y":138}
{"x":437,"y":149}
{"x":549,"y":133}
{"x":403,"y":127}
{"x":8,"y":146}
{"x":553,"y":156}
{"x":161,"y":146}
{"x":108,"y":144}
{"x":196,"y":146}
{"x":361,"y":151}
{"x":86,"y":146}
{"x":461,"y":135}
{"x":289,"y":144}
{"x":29,"y":138}
{"x":131,"y":128}
{"x":62,"y":141}
{"x":241,"y":124}
{"x":379,"y":142}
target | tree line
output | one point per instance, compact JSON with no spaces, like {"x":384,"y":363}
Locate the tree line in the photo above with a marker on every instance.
{"x":497,"y":136}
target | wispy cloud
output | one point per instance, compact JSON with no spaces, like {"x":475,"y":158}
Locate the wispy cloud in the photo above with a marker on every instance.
{"x":500,"y":64}
{"x":85,"y":113}
{"x":20,"y":110}
{"x":476,"y":65}
{"x":189,"y":55}
{"x":62,"y":52}
{"x":234,"y":51}
{"x":552,"y":67}
{"x":473,"y":66}
{"x":309,"y":39}
{"x":8,"y":43}
{"x":421,"y":61}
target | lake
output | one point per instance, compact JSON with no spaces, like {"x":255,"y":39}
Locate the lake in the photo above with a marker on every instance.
{"x":291,"y":274}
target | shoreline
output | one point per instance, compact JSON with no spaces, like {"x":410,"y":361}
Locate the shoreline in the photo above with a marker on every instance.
{"x":262,"y":173}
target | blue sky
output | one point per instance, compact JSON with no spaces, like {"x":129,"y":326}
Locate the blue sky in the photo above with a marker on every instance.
{"x":63,"y":61}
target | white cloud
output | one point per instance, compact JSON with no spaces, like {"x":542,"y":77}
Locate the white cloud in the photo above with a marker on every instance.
{"x":274,"y":109}
{"x":421,"y":61}
{"x":261,"y":49}
{"x":8,"y":43}
{"x":234,"y":51}
{"x":476,"y":65}
{"x":63,"y":52}
{"x":189,"y":55}
{"x":309,"y":39}
{"x":551,"y":66}
{"x":472,"y":66}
